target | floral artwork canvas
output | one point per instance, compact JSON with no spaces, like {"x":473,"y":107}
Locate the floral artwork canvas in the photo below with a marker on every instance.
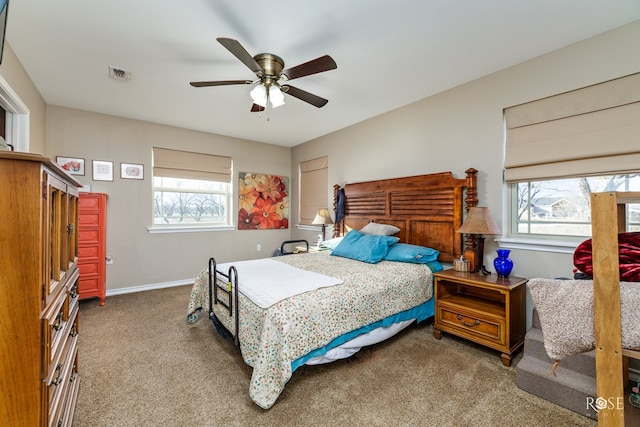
{"x":263,"y":201}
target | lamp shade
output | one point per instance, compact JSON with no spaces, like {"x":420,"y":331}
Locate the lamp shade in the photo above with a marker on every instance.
{"x":276,"y":96}
{"x":322,"y":217}
{"x":259,"y":95}
{"x":479,"y":221}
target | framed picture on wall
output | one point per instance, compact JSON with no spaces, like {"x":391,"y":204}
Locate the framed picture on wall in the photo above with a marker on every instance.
{"x":102,"y":170}
{"x":73,"y":165}
{"x":263,"y":201}
{"x":131,"y":171}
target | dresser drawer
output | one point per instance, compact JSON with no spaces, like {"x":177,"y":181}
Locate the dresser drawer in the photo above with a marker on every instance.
{"x":472,"y":324}
{"x":59,"y":389}
{"x":86,"y":252}
{"x":89,"y":284}
{"x":54,"y":328}
{"x":61,"y":379}
{"x":89,"y":203}
{"x":89,"y":267}
{"x":72,"y":398}
{"x":89,"y":236}
{"x":88,"y":219}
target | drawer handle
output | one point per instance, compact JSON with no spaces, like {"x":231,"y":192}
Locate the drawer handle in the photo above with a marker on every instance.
{"x":74,"y":331}
{"x":57,"y":325}
{"x":467,"y":324}
{"x":57,"y":380}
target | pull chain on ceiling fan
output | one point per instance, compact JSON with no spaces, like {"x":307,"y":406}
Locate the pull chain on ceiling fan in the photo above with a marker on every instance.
{"x":270,"y":85}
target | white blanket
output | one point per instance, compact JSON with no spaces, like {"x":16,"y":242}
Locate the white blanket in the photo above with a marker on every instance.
{"x":267,"y":281}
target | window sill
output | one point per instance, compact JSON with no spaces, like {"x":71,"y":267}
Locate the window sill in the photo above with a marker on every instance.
{"x":308,"y":227}
{"x":189,"y":229}
{"x":557,"y":246}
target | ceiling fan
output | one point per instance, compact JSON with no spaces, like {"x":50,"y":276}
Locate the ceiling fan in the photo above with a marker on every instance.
{"x":270,"y":85}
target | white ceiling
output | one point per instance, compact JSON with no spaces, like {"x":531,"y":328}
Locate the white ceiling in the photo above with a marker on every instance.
{"x":389,"y":54}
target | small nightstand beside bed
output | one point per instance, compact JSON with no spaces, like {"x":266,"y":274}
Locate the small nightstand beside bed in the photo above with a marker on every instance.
{"x":368,"y":288}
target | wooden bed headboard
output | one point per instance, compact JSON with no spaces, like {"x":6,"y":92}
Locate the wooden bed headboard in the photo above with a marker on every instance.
{"x":428,"y":209}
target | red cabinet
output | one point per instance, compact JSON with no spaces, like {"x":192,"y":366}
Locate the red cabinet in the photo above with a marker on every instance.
{"x":92,"y":239}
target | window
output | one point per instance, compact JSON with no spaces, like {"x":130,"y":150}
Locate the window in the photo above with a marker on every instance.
{"x":191,"y":189}
{"x":17,"y":118}
{"x":562,"y":148}
{"x":561,"y":207}
{"x":313,"y":188}
{"x":190,"y":201}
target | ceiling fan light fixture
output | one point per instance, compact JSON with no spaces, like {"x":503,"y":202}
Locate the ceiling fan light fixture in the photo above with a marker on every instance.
{"x":259,"y":95}
{"x":269,"y":69}
{"x":276,"y":96}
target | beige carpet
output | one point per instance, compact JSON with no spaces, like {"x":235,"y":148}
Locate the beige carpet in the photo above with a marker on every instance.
{"x":141,"y":364}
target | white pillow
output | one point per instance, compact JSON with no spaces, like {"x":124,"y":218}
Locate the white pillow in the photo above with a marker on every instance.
{"x":379,"y":229}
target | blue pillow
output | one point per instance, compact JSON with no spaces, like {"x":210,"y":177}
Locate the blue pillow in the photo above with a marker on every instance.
{"x":405,"y":252}
{"x":364,"y":247}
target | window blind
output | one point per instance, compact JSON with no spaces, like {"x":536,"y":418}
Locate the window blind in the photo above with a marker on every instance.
{"x":188,"y":165}
{"x":313,"y":188}
{"x":589,"y":131}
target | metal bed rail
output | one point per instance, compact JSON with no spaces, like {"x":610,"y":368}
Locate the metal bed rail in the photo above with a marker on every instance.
{"x":227,"y":283}
{"x":283,"y":247}
{"x":228,"y":286}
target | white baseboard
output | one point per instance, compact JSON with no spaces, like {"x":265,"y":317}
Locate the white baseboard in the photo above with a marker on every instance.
{"x":149,"y":287}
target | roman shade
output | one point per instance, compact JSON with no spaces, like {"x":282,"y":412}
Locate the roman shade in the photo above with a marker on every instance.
{"x":313,"y":188}
{"x":188,"y":165}
{"x":590,"y":131}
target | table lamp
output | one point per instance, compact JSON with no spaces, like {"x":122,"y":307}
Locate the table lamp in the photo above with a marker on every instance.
{"x":479,"y":222}
{"x":323,"y":217}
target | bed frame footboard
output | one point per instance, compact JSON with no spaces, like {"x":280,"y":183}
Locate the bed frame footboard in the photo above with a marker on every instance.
{"x":230,"y":289}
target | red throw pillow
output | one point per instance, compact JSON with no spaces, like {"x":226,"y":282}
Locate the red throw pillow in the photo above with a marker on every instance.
{"x":629,"y":250}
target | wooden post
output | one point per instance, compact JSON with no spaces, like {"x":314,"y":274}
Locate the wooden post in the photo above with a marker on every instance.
{"x":606,"y":296}
{"x":470,"y":249}
{"x":337,"y":227}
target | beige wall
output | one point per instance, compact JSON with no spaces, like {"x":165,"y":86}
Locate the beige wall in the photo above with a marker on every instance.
{"x":463,"y":128}
{"x":141,"y":258}
{"x":19,"y":81}
{"x":454,"y":130}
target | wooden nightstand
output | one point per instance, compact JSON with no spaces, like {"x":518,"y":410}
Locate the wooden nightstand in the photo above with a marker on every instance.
{"x":488,"y":310}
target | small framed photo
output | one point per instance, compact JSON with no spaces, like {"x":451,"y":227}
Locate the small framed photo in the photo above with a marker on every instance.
{"x":73,"y":165}
{"x":131,"y":171}
{"x":102,"y":170}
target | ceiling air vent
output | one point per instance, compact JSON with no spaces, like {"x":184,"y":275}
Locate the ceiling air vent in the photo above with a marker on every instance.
{"x":119,"y":74}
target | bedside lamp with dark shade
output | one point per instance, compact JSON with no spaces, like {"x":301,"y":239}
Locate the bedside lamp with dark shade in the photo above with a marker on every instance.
{"x":323,"y":217}
{"x":479,"y":222}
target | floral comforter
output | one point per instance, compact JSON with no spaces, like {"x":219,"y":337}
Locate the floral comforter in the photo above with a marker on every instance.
{"x":272,"y":338}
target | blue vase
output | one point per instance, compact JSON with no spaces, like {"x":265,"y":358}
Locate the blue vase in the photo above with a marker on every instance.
{"x":503,"y":263}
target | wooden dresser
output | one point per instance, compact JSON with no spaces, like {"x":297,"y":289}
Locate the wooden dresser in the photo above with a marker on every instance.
{"x":92,"y":245}
{"x":38,"y":292}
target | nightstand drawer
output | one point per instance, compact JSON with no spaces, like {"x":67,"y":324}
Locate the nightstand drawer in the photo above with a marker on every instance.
{"x":471,"y":324}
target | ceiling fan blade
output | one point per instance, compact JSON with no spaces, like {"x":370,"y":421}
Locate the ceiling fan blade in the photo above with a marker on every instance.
{"x":304,"y":96}
{"x":255,"y":108}
{"x":318,"y":65}
{"x":241,"y":53}
{"x":221,"y":83}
